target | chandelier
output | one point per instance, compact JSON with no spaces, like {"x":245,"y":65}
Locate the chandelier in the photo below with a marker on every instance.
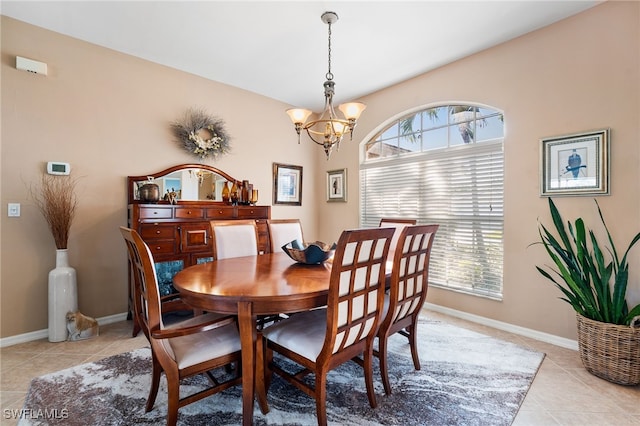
{"x":328,"y":129}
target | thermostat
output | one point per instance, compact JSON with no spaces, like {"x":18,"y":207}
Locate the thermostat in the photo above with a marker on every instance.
{"x":58,"y":168}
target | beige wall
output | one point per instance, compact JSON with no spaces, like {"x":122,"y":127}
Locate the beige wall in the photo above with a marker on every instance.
{"x":107,"y":114}
{"x":580,"y":74}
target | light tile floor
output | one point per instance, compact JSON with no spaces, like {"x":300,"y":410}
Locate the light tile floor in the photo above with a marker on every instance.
{"x":563,"y":392}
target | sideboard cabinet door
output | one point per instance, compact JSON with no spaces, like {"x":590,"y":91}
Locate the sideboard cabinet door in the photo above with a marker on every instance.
{"x":195,"y":238}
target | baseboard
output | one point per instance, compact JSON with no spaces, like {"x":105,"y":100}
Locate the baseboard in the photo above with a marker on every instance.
{"x":522,"y":331}
{"x":43,"y":334}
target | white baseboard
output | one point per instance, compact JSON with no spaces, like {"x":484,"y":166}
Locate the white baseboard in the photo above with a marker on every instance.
{"x":43,"y":334}
{"x":522,"y":331}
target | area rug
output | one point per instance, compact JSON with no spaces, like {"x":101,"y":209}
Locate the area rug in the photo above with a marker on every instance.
{"x":466,"y":379}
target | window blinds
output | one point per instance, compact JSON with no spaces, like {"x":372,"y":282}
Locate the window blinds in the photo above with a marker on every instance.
{"x":461,"y":189}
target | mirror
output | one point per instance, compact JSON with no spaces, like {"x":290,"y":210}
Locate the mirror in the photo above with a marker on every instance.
{"x":190,"y":182}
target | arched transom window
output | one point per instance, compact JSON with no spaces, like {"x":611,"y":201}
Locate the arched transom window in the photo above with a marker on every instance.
{"x":444,"y":165}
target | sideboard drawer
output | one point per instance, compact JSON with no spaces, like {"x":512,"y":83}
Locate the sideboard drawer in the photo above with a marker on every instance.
{"x":221,"y":212}
{"x":156,"y":213}
{"x":154,"y":231}
{"x":162,"y":247}
{"x":251,"y":212}
{"x":189,"y":213}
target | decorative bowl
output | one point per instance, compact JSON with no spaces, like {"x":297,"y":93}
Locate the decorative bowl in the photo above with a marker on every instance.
{"x":309,"y":253}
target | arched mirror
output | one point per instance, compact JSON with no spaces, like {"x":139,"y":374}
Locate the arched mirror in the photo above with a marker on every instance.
{"x":190,"y":182}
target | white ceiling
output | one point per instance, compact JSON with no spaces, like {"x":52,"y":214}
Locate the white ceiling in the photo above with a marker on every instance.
{"x":279,"y":48}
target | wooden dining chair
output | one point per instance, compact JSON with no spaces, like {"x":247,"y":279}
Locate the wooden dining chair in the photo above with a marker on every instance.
{"x":198,"y":345}
{"x":238,"y":238}
{"x":283,"y":231}
{"x":407,"y":293}
{"x":234,"y":238}
{"x":322,"y":339}
{"x":399,"y":224}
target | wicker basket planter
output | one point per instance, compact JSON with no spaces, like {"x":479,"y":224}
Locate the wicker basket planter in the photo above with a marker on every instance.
{"x":610,"y":351}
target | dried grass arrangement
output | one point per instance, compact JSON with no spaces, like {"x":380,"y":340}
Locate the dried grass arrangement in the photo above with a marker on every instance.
{"x":56,"y":199}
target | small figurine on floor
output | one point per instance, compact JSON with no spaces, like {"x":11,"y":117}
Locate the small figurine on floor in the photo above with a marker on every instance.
{"x":81,"y":326}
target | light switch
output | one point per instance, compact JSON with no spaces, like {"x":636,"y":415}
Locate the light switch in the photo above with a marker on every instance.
{"x":14,"y":210}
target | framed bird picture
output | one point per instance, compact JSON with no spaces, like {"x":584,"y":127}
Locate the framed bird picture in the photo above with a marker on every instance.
{"x":576,"y":164}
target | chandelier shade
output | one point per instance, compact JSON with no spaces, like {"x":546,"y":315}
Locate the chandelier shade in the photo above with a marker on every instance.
{"x":329,"y":129}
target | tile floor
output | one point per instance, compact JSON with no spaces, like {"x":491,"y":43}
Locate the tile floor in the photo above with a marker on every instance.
{"x":563,"y":392}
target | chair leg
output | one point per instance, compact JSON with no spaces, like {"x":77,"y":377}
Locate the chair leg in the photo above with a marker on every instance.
{"x":382,"y":356}
{"x":155,"y":383}
{"x":136,"y":328}
{"x":173,"y":399}
{"x":321,"y":398}
{"x":268,"y":373}
{"x":368,"y":376}
{"x":413,"y":343}
{"x":260,"y":378}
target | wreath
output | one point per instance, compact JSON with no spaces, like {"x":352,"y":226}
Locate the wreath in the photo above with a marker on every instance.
{"x":201,"y":134}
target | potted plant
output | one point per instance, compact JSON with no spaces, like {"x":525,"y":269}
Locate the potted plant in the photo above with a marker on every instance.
{"x":593,"y":279}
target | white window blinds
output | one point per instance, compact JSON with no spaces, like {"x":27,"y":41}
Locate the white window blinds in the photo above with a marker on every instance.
{"x":461,"y":189}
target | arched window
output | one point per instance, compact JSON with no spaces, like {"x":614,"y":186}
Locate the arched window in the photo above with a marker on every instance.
{"x":444,"y":165}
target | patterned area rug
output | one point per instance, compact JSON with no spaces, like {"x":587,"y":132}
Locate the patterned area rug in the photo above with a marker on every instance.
{"x":466,"y":379}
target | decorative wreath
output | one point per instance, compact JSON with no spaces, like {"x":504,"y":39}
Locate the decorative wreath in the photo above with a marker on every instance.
{"x":201,"y":134}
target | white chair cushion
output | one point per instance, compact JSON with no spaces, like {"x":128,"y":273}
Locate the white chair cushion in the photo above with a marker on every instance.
{"x":303,"y":333}
{"x":199,"y":347}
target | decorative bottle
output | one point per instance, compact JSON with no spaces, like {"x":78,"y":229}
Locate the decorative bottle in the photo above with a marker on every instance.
{"x":246,"y":193}
{"x":226,"y":193}
{"x":234,"y":193}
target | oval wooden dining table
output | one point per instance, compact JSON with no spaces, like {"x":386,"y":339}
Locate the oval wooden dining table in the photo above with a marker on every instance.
{"x":266,"y":284}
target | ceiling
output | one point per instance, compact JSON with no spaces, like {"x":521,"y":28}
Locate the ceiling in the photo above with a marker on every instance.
{"x":279,"y":48}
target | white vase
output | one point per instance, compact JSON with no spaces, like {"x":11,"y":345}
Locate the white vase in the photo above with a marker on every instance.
{"x":63,"y":296}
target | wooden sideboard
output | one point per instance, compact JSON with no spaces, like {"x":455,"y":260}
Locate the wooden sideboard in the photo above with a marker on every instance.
{"x":183,"y":232}
{"x":179,"y":235}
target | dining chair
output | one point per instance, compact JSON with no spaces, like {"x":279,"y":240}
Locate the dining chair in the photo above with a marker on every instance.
{"x":238,"y":238}
{"x":195,"y":346}
{"x":283,"y":231}
{"x":398,"y":224}
{"x":320,"y":340}
{"x":407,"y":293}
{"x":234,"y":238}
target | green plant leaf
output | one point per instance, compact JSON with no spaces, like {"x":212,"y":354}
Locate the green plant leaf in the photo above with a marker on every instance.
{"x":585,"y":271}
{"x":632,"y":314}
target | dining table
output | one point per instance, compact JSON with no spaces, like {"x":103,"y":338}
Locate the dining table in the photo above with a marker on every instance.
{"x":249,"y":287}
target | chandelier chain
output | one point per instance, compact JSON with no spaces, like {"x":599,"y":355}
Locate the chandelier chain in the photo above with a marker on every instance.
{"x":329,"y":75}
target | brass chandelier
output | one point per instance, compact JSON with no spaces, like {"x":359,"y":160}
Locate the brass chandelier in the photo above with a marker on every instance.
{"x":328,"y":129}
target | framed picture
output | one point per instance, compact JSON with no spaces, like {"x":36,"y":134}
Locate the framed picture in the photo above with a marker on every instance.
{"x":337,"y":185}
{"x":287,"y":184}
{"x":575,"y":164}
